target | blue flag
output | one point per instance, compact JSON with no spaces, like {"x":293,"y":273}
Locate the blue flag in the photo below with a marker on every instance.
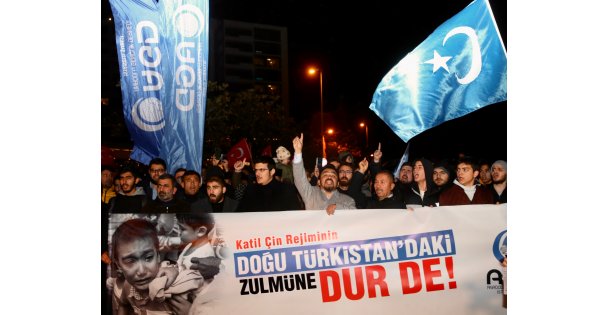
{"x":186,"y":26}
{"x":459,"y":68}
{"x":163,"y":52}
{"x":142,"y":75}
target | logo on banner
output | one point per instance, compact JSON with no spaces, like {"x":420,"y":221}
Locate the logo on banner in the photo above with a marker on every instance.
{"x":500,"y":246}
{"x":147,"y":114}
{"x":494,"y":277}
{"x":189,"y":22}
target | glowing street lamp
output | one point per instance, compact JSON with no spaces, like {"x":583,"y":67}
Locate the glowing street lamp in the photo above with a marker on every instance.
{"x":362,"y":124}
{"x":312,"y":71}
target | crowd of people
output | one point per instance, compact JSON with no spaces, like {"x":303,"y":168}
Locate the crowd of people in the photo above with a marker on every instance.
{"x":171,"y":213}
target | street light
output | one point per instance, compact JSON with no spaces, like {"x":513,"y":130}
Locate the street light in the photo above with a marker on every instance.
{"x":366,"y":133}
{"x":311,"y":72}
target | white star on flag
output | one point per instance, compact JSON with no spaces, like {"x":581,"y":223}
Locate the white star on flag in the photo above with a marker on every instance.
{"x":439,"y":61}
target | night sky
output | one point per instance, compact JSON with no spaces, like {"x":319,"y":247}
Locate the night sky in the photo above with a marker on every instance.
{"x":356,"y":44}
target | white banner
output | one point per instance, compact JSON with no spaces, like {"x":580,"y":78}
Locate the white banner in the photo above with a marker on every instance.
{"x":443,"y":260}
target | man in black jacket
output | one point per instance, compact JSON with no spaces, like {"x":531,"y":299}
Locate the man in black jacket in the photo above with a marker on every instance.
{"x":268,"y":194}
{"x":191,"y":191}
{"x":350,"y":182}
{"x":384,"y":183}
{"x":166,"y":201}
{"x":217,"y":200}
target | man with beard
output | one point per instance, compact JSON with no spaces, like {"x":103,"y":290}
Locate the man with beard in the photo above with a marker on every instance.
{"x":443,"y":176}
{"x":268,"y":194}
{"x":499,"y":177}
{"x":216,"y":200}
{"x":156,"y":168}
{"x":166,"y":201}
{"x":350,"y":182}
{"x":131,"y":199}
{"x":323,"y":196}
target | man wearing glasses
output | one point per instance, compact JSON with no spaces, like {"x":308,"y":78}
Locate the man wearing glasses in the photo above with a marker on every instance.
{"x":350,"y":182}
{"x":268,"y":194}
{"x":156,"y":167}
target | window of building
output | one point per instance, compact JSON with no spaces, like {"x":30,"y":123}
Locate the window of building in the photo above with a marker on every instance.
{"x":266,"y":34}
{"x":266,"y":61}
{"x":267,"y":48}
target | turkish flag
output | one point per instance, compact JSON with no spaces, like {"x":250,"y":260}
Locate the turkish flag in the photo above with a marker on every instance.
{"x":267,"y":151}
{"x":239,"y":152}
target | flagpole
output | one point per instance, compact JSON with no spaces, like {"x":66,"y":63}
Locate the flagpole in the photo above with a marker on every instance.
{"x":321,"y":89}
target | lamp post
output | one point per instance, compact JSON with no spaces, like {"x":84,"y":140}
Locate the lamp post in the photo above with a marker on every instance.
{"x":366,"y":133}
{"x":312,"y":71}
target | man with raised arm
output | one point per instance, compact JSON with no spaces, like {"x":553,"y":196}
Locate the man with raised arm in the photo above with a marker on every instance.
{"x":324,"y":195}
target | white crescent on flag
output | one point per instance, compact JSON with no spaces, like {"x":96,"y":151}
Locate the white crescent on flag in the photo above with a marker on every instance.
{"x":475,"y":53}
{"x":242,"y":153}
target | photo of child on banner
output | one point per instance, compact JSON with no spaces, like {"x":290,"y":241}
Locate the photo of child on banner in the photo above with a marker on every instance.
{"x":142,"y":281}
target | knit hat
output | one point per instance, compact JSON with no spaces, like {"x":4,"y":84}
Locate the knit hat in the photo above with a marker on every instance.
{"x":283,"y":153}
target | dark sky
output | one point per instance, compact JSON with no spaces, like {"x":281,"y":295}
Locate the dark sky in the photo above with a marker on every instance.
{"x":356,"y":44}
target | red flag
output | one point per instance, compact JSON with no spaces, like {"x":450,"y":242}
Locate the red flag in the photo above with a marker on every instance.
{"x":239,"y":152}
{"x":267,"y":151}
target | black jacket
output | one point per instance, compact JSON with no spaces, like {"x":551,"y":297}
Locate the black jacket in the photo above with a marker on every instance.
{"x":274,"y":196}
{"x":391,"y":202}
{"x":173,"y":206}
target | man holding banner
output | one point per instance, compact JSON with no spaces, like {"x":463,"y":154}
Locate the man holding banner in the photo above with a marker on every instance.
{"x":325,"y":195}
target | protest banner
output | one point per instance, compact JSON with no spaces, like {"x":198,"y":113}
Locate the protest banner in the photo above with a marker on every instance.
{"x":443,"y":260}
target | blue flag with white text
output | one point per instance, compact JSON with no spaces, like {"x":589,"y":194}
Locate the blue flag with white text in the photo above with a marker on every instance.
{"x":163,"y":52}
{"x":140,"y":58}
{"x":459,"y":68}
{"x":186,"y":23}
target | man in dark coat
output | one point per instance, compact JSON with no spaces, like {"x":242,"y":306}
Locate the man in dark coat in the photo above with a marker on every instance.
{"x":217,"y":200}
{"x":268,"y":194}
{"x":465,"y":191}
{"x":384,"y":183}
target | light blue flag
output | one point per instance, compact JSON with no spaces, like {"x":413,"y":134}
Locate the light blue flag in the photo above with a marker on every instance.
{"x":163,"y":52}
{"x":404,"y":159}
{"x":141,"y":62}
{"x":459,"y":68}
{"x":186,"y":30}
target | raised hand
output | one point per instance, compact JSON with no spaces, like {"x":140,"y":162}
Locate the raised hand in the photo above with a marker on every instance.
{"x":378,"y":153}
{"x":298,"y":143}
{"x":239,"y":165}
{"x":363,"y":165}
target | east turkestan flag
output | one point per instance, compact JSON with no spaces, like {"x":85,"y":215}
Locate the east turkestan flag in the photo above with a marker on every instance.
{"x":459,"y":68}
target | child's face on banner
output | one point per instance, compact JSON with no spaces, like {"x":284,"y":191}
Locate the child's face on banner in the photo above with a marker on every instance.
{"x":139,"y":262}
{"x":188,"y":234}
